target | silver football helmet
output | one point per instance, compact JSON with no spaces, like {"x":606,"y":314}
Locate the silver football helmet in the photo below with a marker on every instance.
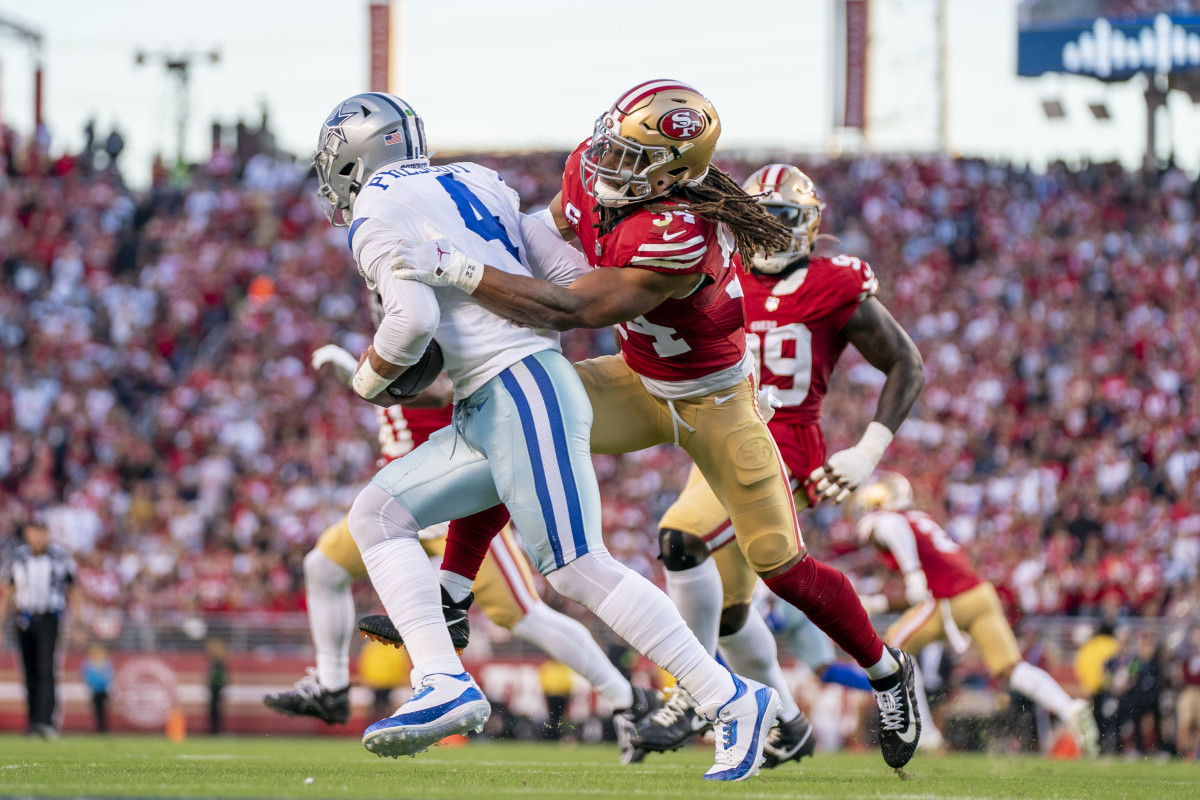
{"x":364,"y":133}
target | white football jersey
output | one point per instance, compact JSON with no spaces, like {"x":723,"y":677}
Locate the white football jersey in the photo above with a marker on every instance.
{"x":472,"y":207}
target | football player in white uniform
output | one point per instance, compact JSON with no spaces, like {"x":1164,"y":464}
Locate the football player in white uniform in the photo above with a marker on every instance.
{"x":521,"y":436}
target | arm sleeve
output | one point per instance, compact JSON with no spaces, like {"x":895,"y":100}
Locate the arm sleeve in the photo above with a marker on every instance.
{"x":410,"y":309}
{"x":550,"y":258}
{"x":893,"y":532}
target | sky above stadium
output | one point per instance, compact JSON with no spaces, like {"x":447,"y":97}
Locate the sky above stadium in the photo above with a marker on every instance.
{"x":536,"y":73}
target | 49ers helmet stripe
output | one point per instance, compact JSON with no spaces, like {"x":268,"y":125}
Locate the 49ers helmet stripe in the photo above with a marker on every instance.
{"x":643,"y":90}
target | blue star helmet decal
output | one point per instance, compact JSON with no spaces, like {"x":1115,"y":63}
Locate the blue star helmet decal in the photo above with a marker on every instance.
{"x":333,"y":126}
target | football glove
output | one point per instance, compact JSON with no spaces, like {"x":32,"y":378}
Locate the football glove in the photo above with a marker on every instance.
{"x":436,"y":263}
{"x":874,"y":603}
{"x":846,"y":470}
{"x":916,"y":588}
{"x":343,"y":363}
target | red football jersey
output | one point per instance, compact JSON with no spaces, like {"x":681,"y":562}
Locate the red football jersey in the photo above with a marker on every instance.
{"x":681,"y":339}
{"x":402,"y":429}
{"x":795,"y":325}
{"x":946,"y":568}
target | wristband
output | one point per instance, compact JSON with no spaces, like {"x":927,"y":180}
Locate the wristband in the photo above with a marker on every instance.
{"x":367,"y":382}
{"x":874,"y":441}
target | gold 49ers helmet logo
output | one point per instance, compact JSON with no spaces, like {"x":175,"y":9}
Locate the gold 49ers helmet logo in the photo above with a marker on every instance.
{"x":682,"y":123}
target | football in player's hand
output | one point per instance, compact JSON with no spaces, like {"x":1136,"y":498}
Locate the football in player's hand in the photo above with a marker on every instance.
{"x":416,"y":378}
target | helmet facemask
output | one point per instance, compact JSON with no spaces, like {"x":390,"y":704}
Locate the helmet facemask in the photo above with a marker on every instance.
{"x":804,"y":220}
{"x":618,"y":170}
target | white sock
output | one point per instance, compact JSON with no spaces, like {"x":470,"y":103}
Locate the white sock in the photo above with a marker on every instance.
{"x":696,"y":592}
{"x":752,"y":652}
{"x":568,"y":641}
{"x":455,"y":585}
{"x":923,"y":702}
{"x":646,"y":618}
{"x":886,"y":665}
{"x":330,"y":617}
{"x":1038,"y":686}
{"x":407,"y":584}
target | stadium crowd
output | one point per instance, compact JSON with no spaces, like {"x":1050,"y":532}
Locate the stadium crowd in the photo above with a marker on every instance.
{"x":160,"y":414}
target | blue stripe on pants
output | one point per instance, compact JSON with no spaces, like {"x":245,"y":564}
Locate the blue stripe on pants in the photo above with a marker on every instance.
{"x":535,"y":459}
{"x":558,"y":433}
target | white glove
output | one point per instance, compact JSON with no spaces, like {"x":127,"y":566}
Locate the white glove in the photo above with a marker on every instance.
{"x":768,"y":402}
{"x":436,"y":263}
{"x":874,"y":603}
{"x":343,"y":363}
{"x":846,"y":470}
{"x":916,"y":588}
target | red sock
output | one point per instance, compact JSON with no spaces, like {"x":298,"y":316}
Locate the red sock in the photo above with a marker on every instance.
{"x":824,"y":594}
{"x":469,"y":539}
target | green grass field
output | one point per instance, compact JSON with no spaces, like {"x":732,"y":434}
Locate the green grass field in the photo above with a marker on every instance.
{"x":123,"y":766}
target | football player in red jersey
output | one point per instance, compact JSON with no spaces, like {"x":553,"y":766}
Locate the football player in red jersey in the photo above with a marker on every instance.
{"x":947,"y":597}
{"x":660,"y":224}
{"x":802,"y":310}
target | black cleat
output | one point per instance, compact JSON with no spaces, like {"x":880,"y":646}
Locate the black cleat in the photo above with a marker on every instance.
{"x":308,"y":698}
{"x":379,"y":628}
{"x":899,"y":719}
{"x":789,"y":741}
{"x":670,"y":727}
{"x":626,"y":721}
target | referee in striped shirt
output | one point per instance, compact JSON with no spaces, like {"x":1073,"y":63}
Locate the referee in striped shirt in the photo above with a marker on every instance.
{"x":37,"y":578}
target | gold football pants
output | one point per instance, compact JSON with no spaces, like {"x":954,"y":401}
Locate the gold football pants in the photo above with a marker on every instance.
{"x":503,"y":588}
{"x":726,"y":439}
{"x":976,"y":611}
{"x":698,"y":512}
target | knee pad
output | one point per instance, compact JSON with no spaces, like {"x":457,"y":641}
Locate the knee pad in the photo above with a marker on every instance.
{"x":589,"y":579}
{"x":733,"y":618}
{"x":680,"y":551}
{"x":376,"y":517}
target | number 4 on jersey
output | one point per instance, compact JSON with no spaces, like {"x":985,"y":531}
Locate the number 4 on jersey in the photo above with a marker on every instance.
{"x":475,"y":215}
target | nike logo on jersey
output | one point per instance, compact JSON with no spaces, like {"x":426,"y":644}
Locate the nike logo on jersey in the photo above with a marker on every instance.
{"x":669,"y":236}
{"x":720,"y":400}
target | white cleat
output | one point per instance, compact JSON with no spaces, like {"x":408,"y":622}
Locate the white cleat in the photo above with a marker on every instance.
{"x":442,"y":706}
{"x":740,"y":726}
{"x":1083,"y":725}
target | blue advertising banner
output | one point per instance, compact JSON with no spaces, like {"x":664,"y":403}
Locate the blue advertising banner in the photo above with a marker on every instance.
{"x":1110,"y":49}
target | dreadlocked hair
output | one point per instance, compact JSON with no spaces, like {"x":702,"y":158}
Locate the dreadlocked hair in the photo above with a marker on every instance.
{"x":718,"y":198}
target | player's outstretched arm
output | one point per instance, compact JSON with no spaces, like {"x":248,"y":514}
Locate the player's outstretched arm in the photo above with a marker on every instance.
{"x":875,"y":333}
{"x":597,"y":299}
{"x":887,"y":347}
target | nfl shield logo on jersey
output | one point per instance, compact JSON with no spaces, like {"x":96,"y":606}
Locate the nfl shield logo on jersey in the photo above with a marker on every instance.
{"x":772,"y":303}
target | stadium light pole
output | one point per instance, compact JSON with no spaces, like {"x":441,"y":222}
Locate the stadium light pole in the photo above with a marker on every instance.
{"x":34,"y":40}
{"x":179,"y":67}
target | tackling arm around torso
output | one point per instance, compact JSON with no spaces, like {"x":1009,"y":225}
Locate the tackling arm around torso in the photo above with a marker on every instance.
{"x":596,"y":299}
